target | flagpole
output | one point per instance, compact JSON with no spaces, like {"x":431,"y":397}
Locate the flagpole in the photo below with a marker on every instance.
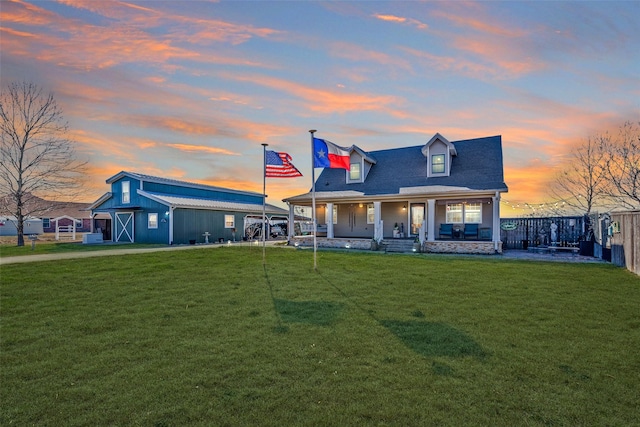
{"x":313,"y":203}
{"x":264,"y":201}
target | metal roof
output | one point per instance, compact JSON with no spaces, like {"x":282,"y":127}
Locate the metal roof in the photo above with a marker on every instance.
{"x":209,"y":204}
{"x":160,"y":180}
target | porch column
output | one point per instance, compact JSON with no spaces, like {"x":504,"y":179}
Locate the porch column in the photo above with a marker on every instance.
{"x":496,"y":220}
{"x":291,"y":225}
{"x":329,"y":220}
{"x":431,"y":220}
{"x":378,"y":232}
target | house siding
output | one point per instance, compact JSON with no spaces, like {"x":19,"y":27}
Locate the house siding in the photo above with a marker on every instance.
{"x":191,"y":224}
{"x":352,"y":221}
{"x":151,"y":235}
{"x":83,"y":227}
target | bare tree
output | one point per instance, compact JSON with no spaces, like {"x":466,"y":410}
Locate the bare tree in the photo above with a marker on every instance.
{"x":621,"y":155}
{"x":581,"y":182}
{"x":37,"y":159}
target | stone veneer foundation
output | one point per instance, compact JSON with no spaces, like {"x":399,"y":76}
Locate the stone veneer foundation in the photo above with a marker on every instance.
{"x":457,"y":247}
{"x":451,"y":247}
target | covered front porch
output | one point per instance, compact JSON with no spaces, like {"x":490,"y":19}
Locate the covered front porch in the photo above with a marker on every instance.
{"x":442,"y":225}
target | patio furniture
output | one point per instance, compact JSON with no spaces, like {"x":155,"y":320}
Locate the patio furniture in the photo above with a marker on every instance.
{"x":446,"y":231}
{"x":471,"y":231}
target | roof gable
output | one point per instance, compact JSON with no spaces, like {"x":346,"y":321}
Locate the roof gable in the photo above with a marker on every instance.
{"x":437,"y":137}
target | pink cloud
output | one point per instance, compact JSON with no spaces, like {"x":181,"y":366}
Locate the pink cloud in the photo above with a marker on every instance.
{"x":322,"y":101}
{"x":401,"y":20}
{"x":482,"y":26}
{"x":75,"y":44}
{"x":192,"y":148}
{"x":354,"y":52}
{"x":457,"y":65}
{"x":510,"y":59}
{"x":200,"y":30}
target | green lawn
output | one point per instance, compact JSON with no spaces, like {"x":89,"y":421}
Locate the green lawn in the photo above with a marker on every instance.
{"x":213,"y":338}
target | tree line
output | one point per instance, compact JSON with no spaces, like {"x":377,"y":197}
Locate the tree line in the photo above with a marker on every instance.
{"x":603,"y":172}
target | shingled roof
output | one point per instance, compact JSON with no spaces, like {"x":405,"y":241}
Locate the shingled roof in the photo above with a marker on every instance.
{"x":477,"y":166}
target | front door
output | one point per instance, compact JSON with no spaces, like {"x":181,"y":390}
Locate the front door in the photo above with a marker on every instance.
{"x":123,"y":231}
{"x":417,"y":216}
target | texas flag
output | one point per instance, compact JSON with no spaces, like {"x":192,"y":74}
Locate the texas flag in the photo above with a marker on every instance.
{"x":328,"y":155}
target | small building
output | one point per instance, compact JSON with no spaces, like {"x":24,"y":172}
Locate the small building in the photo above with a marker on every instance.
{"x":56,"y":216}
{"x":443,"y":194}
{"x":148,"y":209}
{"x":66,"y":219}
{"x":8,"y":226}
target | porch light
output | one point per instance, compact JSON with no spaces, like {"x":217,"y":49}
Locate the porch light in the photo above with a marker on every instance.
{"x":404,"y":208}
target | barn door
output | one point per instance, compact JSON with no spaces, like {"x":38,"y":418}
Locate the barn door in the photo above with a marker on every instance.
{"x":124,"y":227}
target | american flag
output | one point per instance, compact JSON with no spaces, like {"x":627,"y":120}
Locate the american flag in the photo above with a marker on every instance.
{"x":278,"y":165}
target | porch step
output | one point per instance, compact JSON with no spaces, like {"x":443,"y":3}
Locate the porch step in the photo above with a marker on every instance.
{"x":398,"y":245}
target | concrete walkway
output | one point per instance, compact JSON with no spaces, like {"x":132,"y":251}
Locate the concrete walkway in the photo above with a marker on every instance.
{"x":124,"y":251}
{"x":557,"y":257}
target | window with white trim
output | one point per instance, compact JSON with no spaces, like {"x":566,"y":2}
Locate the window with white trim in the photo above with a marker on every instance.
{"x":371,"y":214}
{"x":229,"y":221}
{"x":354,"y":172}
{"x":473,"y":213}
{"x":152,"y":220}
{"x":464,"y":213}
{"x":126,"y":192}
{"x":46,"y":222}
{"x":454,"y":213}
{"x":437,"y":163}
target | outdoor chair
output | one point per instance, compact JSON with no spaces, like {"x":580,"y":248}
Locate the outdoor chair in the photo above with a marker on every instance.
{"x":471,"y":231}
{"x":446,"y":231}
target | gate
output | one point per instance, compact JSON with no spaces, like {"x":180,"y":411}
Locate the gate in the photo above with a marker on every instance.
{"x":520,"y":233}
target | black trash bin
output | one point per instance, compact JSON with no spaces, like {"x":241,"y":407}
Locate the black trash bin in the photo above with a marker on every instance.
{"x":525,"y":244}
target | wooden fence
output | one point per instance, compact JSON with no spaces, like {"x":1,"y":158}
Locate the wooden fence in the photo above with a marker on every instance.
{"x":624,"y":233}
{"x":521,"y":233}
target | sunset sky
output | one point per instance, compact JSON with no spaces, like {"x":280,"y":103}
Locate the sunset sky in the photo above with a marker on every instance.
{"x":191,"y":89}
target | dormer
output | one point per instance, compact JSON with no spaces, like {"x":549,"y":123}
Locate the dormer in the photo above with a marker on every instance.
{"x":439,"y":152}
{"x":360,"y":165}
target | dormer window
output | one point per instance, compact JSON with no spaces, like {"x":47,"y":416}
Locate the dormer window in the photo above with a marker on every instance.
{"x":360,"y":164}
{"x":437,"y":163}
{"x":355,"y":174}
{"x":439,"y":153}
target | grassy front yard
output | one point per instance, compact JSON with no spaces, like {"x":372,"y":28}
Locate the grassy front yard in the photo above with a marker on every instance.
{"x":211,"y":337}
